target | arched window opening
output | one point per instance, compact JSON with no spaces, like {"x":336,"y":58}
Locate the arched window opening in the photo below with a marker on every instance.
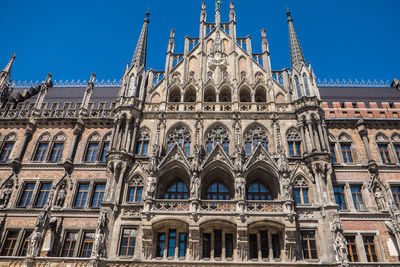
{"x":258,"y":191}
{"x":305,"y":82}
{"x":383,"y":146}
{"x":218,"y":191}
{"x":209,"y":95}
{"x":332,"y":148}
{"x":244,"y":95}
{"x":301,"y":191}
{"x":298,"y":88}
{"x":135,"y":190}
{"x":396,"y":145}
{"x":253,"y":137}
{"x":225,"y":95}
{"x":175,"y":95}
{"x":294,"y":143}
{"x":92,"y":148}
{"x":57,"y":148}
{"x":177,"y":190}
{"x":42,"y":147}
{"x":345,"y":146}
{"x":218,"y":135}
{"x":181,"y":136}
{"x":190,"y":95}
{"x":261,"y":95}
{"x":142,"y":144}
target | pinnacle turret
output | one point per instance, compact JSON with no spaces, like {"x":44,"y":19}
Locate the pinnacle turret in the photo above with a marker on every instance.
{"x":139,"y":57}
{"x":7,"y":68}
{"x":296,"y":54}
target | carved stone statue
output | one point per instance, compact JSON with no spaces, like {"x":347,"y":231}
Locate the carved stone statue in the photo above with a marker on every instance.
{"x":34,"y":242}
{"x":336,"y":224}
{"x":195,"y":186}
{"x":242,"y":251}
{"x":151,"y":187}
{"x":61,"y":195}
{"x":240,"y":187}
{"x":5,"y":194}
{"x":341,"y":247}
{"x":99,"y":239}
{"x":380,"y":199}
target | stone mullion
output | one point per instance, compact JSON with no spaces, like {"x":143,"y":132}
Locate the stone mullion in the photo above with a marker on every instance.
{"x":311,"y":133}
{"x":133,"y":140}
{"x":117,"y":134}
{"x":270,"y":250}
{"x":360,"y":247}
{"x":259,"y":253}
{"x":363,"y":132}
{"x":349,"y":197}
{"x":321,"y":137}
{"x":303,"y":137}
{"x":126,"y":130}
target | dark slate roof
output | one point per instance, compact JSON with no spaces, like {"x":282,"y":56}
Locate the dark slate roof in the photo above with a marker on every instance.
{"x":359,"y":94}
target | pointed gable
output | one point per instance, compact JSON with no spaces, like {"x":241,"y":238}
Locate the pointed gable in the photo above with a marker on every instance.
{"x":175,"y":154}
{"x":217,"y":154}
{"x":261,"y":155}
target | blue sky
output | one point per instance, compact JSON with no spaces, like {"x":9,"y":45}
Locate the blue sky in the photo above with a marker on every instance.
{"x":70,"y":39}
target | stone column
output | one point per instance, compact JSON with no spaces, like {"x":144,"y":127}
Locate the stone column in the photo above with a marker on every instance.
{"x":311,"y":132}
{"x":30,"y":129}
{"x":303,"y":137}
{"x":134,"y":134}
{"x":363,"y":132}
{"x":324,"y":145}
{"x":116,"y":135}
{"x":77,"y":135}
{"x":113,"y":135}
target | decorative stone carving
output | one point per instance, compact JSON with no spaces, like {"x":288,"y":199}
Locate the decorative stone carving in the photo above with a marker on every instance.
{"x":380,"y":199}
{"x":61,"y":194}
{"x":240,"y":187}
{"x":99,"y":238}
{"x":340,"y":244}
{"x":195,"y":186}
{"x":5,"y":193}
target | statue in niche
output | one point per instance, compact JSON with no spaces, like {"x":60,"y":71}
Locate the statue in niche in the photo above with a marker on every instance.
{"x":240,"y":187}
{"x":99,"y":239}
{"x":5,"y":193}
{"x":380,"y":199}
{"x":61,"y":195}
{"x":195,"y":186}
{"x":151,"y":187}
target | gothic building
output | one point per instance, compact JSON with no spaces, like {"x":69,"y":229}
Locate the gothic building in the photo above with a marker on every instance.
{"x":218,"y":160}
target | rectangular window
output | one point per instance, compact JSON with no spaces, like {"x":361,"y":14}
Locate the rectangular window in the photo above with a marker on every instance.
{"x":87,"y":245}
{"x":43,"y":194}
{"x":25,"y":242}
{"x":301,"y":195}
{"x":339,"y":197}
{"x":135,"y":194}
{"x":160,"y":245}
{"x":264,"y":244}
{"x":98,"y":195}
{"x":228,"y":245}
{"x":182,"y":244}
{"x":69,"y":244}
{"x":384,"y":151}
{"x":217,"y":243}
{"x":346,"y":152}
{"x":294,"y":148}
{"x":142,"y":146}
{"x":171,"y":243}
{"x":333,"y":153}
{"x":9,"y":243}
{"x":206,"y":245}
{"x":128,"y":242}
{"x":104,"y":152}
{"x":91,"y":153}
{"x":396,"y":150}
{"x":396,"y":194}
{"x":81,"y":197}
{"x":309,"y":245}
{"x":370,"y":249}
{"x":41,"y":152}
{"x":6,"y":152}
{"x":276,"y":247}
{"x":253,"y":246}
{"x":357,"y":197}
{"x":352,"y":249}
{"x":56,"y":153}
{"x":26,"y":195}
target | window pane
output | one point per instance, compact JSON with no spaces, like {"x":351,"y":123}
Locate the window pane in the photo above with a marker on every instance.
{"x":6,"y":152}
{"x":228,"y":245}
{"x":9,"y":243}
{"x":69,"y":244}
{"x":81,"y":197}
{"x":104,"y":152}
{"x":27,"y":195}
{"x":171,"y":243}
{"x":43,"y":194}
{"x":160,"y":245}
{"x":182,"y":244}
{"x":217,"y":243}
{"x":56,"y":153}
{"x":127,"y":247}
{"x":98,"y":195}
{"x":206,"y":245}
{"x":87,"y":245}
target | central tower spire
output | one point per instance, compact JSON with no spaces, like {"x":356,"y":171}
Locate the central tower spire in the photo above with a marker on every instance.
{"x":139,"y":57}
{"x":296,"y":54}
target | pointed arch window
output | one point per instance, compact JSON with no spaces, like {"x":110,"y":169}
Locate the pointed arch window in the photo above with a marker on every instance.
{"x":57,"y":148}
{"x":180,"y":135}
{"x":92,"y":148}
{"x":135,"y":190}
{"x":383,"y":146}
{"x":105,"y":147}
{"x":258,"y":191}
{"x":345,"y":146}
{"x":142,"y":144}
{"x":253,"y":136}
{"x":294,"y":143}
{"x":305,"y":82}
{"x":42,"y":147}
{"x":301,"y":191}
{"x":218,"y":135}
{"x":396,"y":145}
{"x":298,"y":87}
{"x":177,"y":190}
{"x":218,"y":191}
{"x":7,"y":147}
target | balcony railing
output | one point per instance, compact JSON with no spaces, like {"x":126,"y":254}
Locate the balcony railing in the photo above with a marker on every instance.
{"x":220,"y":206}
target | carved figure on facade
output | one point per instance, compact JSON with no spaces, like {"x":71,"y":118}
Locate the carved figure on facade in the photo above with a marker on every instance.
{"x":151,"y":187}
{"x":61,"y":194}
{"x":340,"y":244}
{"x":379,"y":199}
{"x":5,"y":193}
{"x":34,"y":242}
{"x":195,"y":186}
{"x":99,"y":237}
{"x":240,"y":187}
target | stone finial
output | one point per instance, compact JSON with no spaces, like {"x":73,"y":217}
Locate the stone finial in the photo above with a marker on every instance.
{"x":92,"y":76}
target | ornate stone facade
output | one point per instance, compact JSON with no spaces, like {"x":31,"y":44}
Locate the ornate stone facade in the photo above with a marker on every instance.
{"x":215,"y":161}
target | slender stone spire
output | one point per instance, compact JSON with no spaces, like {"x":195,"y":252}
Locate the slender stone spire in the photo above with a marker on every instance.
{"x":7,"y":68}
{"x":203,"y":14}
{"x":296,"y":55}
{"x":232,"y":15}
{"x":218,"y":12}
{"x":139,"y":58}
